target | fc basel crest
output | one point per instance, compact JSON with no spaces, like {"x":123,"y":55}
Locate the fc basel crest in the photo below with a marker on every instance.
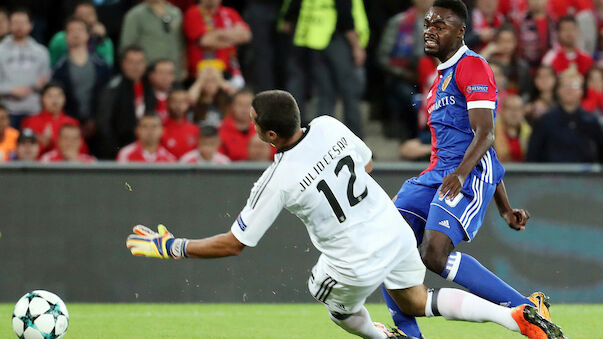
{"x":446,"y":82}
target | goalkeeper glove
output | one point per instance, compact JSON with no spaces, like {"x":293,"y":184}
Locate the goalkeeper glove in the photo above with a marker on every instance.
{"x":147,"y":243}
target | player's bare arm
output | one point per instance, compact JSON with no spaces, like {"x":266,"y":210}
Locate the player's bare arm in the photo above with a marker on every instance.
{"x":218,"y":246}
{"x":515,"y":218}
{"x":482,"y":123}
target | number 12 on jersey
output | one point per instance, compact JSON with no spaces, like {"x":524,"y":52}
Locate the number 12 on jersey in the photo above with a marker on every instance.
{"x":353,"y":200}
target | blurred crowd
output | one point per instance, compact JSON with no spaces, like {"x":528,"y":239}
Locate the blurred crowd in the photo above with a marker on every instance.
{"x":173,"y":81}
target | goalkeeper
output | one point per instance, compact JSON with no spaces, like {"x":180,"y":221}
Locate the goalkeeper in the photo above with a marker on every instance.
{"x":320,"y":174}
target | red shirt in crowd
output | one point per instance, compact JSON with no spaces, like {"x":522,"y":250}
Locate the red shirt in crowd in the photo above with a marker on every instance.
{"x":56,"y":156}
{"x":197,"y":22}
{"x":179,"y":137}
{"x":161,"y":107}
{"x":139,"y":105}
{"x":560,"y":8}
{"x":560,"y":60}
{"x":234,"y":142}
{"x":593,"y":101}
{"x":45,"y":120}
{"x":135,"y":153}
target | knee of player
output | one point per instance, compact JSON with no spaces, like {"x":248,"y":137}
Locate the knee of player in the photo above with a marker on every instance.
{"x":433,"y":258}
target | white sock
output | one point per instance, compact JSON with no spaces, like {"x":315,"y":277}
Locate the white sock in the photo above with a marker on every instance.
{"x":454,"y":304}
{"x":360,"y":324}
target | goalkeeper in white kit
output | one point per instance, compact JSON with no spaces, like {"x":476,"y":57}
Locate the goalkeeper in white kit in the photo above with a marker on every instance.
{"x":320,"y":174}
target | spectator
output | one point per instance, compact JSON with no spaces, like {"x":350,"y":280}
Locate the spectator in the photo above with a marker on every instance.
{"x":503,"y":50}
{"x":485,"y":20}
{"x":535,"y":33}
{"x":338,"y":39}
{"x":49,"y":121}
{"x":8,"y":136}
{"x":147,"y":147}
{"x":69,"y":142}
{"x":512,"y":130}
{"x":24,"y":69}
{"x":542,"y":98}
{"x":82,"y":75}
{"x":500,"y":78}
{"x":157,"y":27}
{"x":417,"y":149}
{"x":266,"y":46}
{"x":598,"y":56}
{"x":28,"y":148}
{"x":567,"y":133}
{"x":4,"y":23}
{"x":582,"y":10}
{"x":259,"y":150}
{"x":593,"y":100}
{"x":236,"y":129}
{"x":126,"y":98}
{"x":213,"y":32}
{"x":161,"y":75}
{"x":567,"y":55}
{"x":207,"y":149}
{"x":399,"y":53}
{"x":98,"y":43}
{"x":179,"y":135}
{"x":514,"y":10}
{"x":210,"y":96}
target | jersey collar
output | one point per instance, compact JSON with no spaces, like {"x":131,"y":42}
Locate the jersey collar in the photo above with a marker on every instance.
{"x":453,"y":60}
{"x":285,"y":149}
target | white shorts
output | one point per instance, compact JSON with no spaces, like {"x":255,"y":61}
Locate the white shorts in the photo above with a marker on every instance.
{"x":347,"y":299}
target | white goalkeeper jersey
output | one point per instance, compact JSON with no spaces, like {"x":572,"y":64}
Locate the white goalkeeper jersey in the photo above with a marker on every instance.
{"x":322,"y":180}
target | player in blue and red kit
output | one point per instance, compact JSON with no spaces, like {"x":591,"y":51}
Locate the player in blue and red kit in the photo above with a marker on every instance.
{"x":447,"y":202}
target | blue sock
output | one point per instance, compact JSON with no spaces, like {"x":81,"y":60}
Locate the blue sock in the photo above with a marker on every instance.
{"x":406,"y":323}
{"x":464,"y":270}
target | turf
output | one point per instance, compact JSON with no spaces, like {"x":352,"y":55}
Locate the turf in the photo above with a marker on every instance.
{"x":265,"y":321}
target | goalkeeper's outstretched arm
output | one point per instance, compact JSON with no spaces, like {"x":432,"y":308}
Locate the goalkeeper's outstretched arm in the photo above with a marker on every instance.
{"x":162,"y":244}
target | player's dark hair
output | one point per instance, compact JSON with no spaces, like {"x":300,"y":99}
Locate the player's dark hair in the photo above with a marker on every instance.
{"x":21,"y":10}
{"x":73,"y":19}
{"x":130,"y":49}
{"x":277,"y":111}
{"x":566,"y":18}
{"x":208,"y":131}
{"x":50,"y":85}
{"x":456,"y":6}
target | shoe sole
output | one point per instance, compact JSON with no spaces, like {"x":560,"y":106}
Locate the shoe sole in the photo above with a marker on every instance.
{"x":531,"y":315}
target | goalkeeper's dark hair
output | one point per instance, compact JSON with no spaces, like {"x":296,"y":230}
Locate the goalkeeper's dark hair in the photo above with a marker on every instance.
{"x":277,"y":111}
{"x":458,"y":7}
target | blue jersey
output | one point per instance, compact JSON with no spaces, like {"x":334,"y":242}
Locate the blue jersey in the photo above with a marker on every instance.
{"x":464,"y":82}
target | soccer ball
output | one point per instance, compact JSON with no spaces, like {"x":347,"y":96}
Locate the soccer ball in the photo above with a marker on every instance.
{"x":40,"y":315}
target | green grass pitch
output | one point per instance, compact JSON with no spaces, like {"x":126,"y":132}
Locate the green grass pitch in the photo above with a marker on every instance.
{"x":264,"y":321}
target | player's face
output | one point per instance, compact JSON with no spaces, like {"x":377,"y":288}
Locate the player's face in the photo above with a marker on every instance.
{"x":20,"y":26}
{"x":53,"y":100}
{"x":178,"y":104}
{"x":263,"y":135}
{"x":28,"y":151}
{"x":441,"y":29}
{"x":76,"y":34}
{"x":162,"y":78}
{"x":134,"y":65}
{"x":69,"y":140}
